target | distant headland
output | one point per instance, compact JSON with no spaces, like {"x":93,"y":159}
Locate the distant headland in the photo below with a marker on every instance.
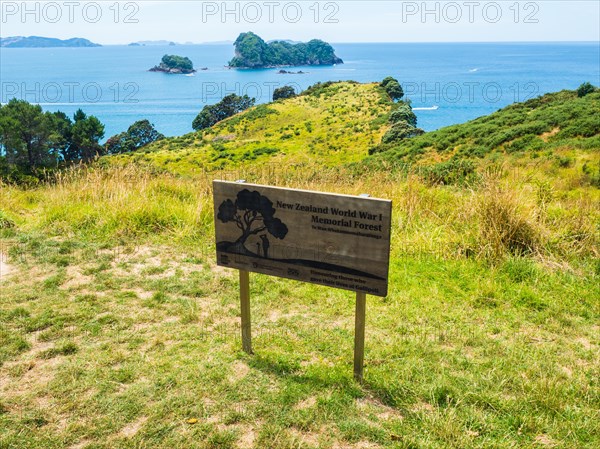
{"x":252,"y":52}
{"x":44,"y":42}
{"x":174,"y":64}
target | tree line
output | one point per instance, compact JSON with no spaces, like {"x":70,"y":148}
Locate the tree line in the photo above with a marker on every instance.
{"x":33,"y":141}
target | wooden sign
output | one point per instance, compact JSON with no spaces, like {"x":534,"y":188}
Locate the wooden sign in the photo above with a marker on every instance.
{"x":340,"y":241}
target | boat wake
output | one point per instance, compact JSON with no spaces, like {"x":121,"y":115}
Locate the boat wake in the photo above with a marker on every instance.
{"x":432,"y":108}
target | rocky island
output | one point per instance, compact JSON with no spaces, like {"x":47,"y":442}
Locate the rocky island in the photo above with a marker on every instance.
{"x":174,"y":64}
{"x":252,"y":52}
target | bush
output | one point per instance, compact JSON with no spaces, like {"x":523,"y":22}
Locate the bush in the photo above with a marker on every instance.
{"x":528,"y":142}
{"x":584,"y":89}
{"x":404,"y":113}
{"x":5,"y":222}
{"x":503,"y":229}
{"x":282,"y":93}
{"x":227,"y":107}
{"x":455,"y":171}
{"x":400,"y":131}
{"x":392,"y":88}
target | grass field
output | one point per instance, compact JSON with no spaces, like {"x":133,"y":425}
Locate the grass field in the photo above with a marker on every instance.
{"x":118,"y":330}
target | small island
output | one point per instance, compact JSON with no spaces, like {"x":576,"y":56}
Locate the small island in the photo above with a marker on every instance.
{"x":252,"y":52}
{"x":286,"y":72}
{"x":173,"y":64}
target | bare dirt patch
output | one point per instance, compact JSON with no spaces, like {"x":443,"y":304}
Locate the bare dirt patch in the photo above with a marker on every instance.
{"x":545,"y":441}
{"x":5,"y":269}
{"x":551,"y":133}
{"x":222,"y":271}
{"x":131,"y":429}
{"x":306,"y":403}
{"x":358,"y":445}
{"x":248,"y":436}
{"x":79,"y":445}
{"x":382,"y":411}
{"x":305,"y":438}
{"x":76,"y":279}
{"x":239,"y":370}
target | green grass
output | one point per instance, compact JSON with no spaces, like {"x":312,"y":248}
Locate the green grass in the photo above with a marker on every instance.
{"x":118,"y":330}
{"x":559,"y":126}
{"x":335,"y":124}
{"x":460,"y":354}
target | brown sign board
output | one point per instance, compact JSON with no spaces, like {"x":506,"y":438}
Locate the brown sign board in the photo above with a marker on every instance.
{"x":340,"y":241}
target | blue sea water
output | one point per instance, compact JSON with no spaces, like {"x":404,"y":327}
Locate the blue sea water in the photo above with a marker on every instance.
{"x":447,"y":83}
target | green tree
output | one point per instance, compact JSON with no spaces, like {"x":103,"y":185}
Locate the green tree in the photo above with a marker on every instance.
{"x":393,"y":88}
{"x":404,"y":113}
{"x":140,"y":134}
{"x":400,"y":131}
{"x":228,"y":107}
{"x":284,"y":92}
{"x":26,"y":135}
{"x":62,"y":134}
{"x":584,"y":89}
{"x":87,"y":132}
{"x":143,"y":132}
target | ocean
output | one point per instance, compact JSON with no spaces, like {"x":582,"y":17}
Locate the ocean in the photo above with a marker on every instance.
{"x":447,"y":83}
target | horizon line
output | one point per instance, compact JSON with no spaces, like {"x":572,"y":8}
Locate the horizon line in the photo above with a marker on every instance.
{"x":180,"y":44}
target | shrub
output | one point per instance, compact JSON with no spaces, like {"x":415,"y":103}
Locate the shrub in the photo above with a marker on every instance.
{"x":528,"y":142}
{"x":393,"y":88}
{"x":227,"y":107}
{"x":404,"y":114}
{"x":584,"y":89}
{"x":5,"y":222}
{"x":281,"y":93}
{"x":503,"y":229}
{"x":455,"y":171}
{"x":400,"y":131}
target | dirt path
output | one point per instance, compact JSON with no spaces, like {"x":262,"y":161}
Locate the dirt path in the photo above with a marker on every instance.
{"x":5,"y":268}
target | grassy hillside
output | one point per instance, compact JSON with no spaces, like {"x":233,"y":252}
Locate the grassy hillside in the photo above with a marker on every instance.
{"x":559,"y":126}
{"x":117,"y":329}
{"x":334,"y":124}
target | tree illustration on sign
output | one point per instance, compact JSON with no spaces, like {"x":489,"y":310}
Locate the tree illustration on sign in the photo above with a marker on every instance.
{"x":253,"y":214}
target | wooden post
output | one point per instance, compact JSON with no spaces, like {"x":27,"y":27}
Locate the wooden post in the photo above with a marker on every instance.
{"x":245,"y":308}
{"x":359,"y":335}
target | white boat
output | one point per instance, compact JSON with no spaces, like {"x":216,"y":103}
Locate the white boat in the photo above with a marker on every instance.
{"x":432,"y":108}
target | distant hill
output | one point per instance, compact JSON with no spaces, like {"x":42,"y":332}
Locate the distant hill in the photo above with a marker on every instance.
{"x":341,"y":123}
{"x":555,"y":123}
{"x":332,"y":123}
{"x":252,"y":52}
{"x":44,"y":42}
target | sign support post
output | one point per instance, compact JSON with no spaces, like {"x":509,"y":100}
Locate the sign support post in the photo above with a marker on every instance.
{"x":245,"y":311}
{"x":359,"y":335}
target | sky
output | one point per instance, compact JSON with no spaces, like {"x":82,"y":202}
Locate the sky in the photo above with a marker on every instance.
{"x":121,"y":22}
